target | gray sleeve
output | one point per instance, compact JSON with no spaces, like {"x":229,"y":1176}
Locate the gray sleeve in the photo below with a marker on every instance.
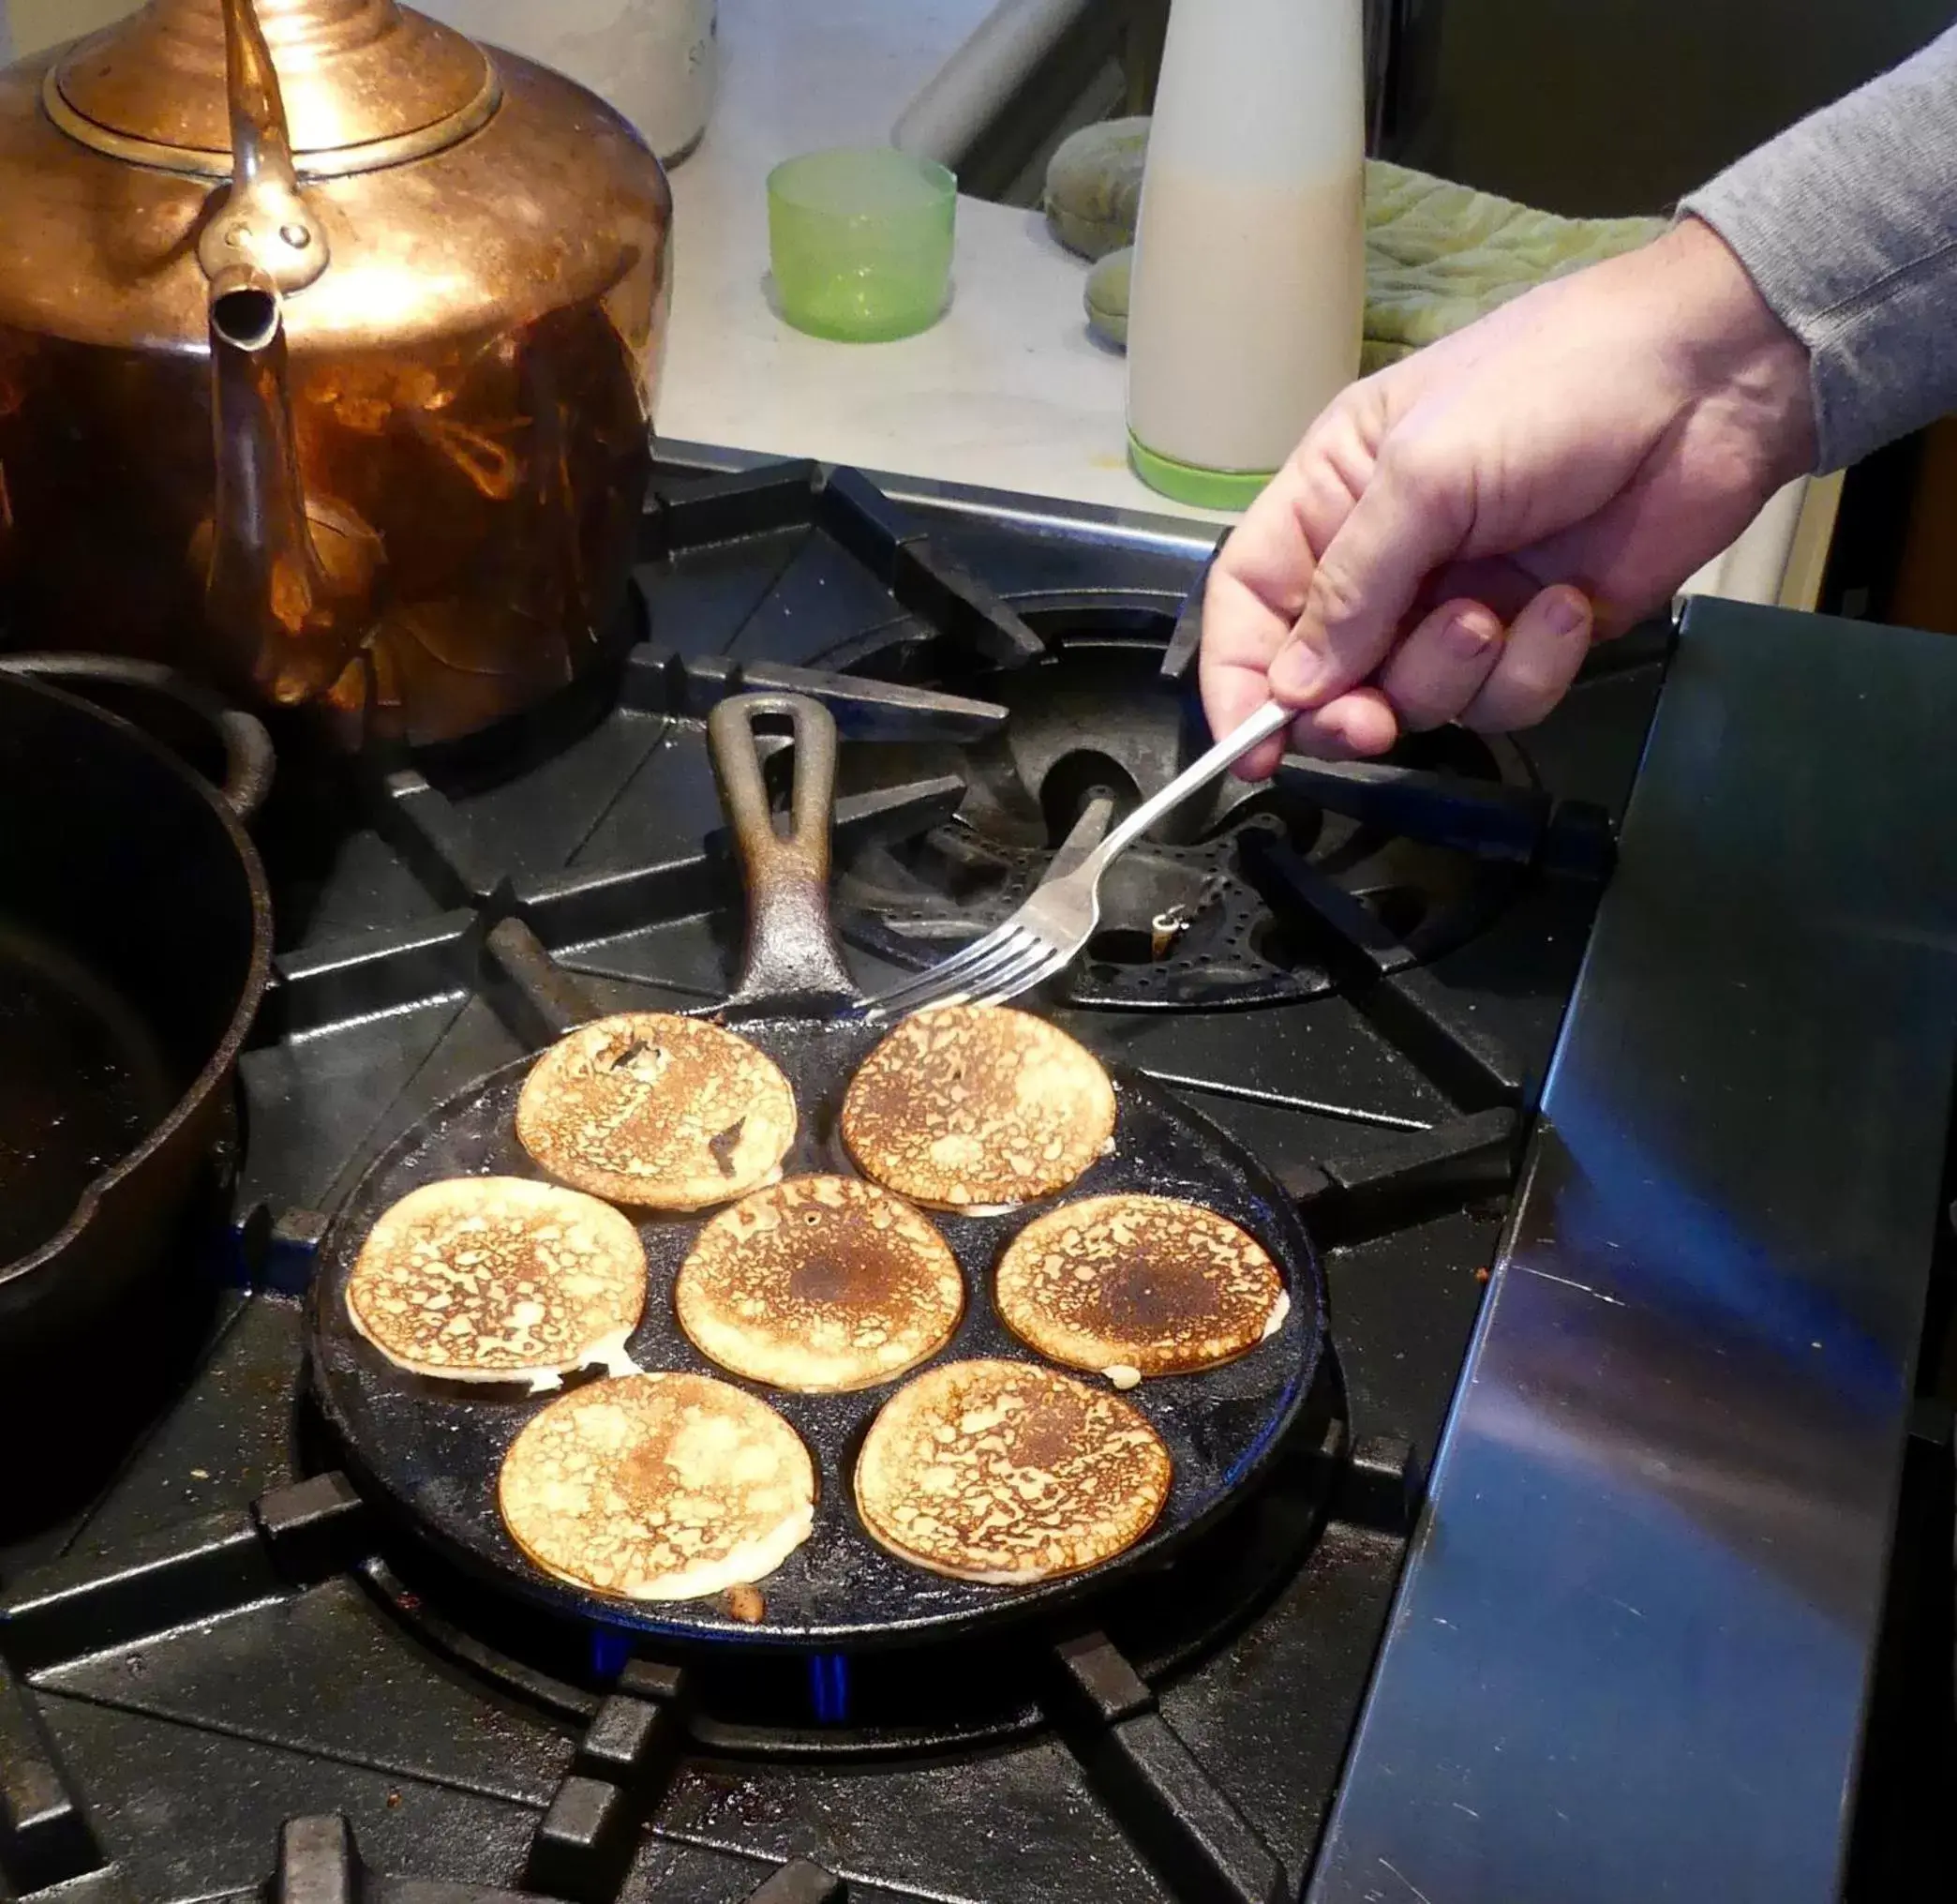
{"x":1848,"y":223}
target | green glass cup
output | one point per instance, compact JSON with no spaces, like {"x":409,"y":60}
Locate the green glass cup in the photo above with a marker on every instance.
{"x":859,"y":241}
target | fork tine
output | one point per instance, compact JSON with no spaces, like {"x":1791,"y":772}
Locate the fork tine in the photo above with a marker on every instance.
{"x":947,"y":971}
{"x":1015,"y":984}
{"x":1008,"y":979}
{"x":976,"y":963}
{"x":933,"y":977}
{"x":1018,"y":946}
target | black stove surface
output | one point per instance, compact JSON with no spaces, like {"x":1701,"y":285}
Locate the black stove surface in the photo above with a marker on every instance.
{"x":221,"y":1669}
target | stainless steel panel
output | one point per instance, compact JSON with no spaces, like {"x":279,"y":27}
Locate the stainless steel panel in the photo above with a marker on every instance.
{"x":1631,"y":1655}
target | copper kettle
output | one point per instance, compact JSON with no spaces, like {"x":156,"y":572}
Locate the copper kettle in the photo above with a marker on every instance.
{"x":328,"y":348}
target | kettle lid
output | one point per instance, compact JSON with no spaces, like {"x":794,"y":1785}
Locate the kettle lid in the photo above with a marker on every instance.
{"x":365,"y":84}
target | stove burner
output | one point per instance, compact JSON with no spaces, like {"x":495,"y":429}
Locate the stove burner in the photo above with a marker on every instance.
{"x":745,"y":1701}
{"x":1206,"y":910}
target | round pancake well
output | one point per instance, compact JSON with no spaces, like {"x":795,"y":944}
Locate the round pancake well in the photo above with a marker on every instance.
{"x":1007,"y":1473}
{"x":978,"y":1107}
{"x":658,"y":1487}
{"x":820,"y":1283}
{"x":497,"y":1279}
{"x":657,"y":1111}
{"x":1133,"y":1285}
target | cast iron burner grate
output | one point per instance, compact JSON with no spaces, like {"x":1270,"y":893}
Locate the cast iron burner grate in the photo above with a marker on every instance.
{"x":634,"y":1718}
{"x":230,"y":1645}
{"x":1206,"y":910}
{"x":1037,"y":707}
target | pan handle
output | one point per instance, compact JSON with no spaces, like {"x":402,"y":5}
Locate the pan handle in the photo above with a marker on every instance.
{"x":248,"y":747}
{"x":792,"y":956}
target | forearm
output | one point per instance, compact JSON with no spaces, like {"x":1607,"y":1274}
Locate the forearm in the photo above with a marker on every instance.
{"x":1848,"y":224}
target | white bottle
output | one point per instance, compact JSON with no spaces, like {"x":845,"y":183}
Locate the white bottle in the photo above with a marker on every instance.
{"x":1249,"y":289}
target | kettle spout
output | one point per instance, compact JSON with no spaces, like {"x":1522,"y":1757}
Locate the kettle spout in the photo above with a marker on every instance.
{"x":288,"y":585}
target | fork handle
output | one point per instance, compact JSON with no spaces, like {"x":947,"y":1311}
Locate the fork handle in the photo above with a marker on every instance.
{"x":1272,"y":718}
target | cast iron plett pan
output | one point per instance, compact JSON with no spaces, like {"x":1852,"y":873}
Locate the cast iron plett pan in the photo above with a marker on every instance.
{"x":432,"y":1450}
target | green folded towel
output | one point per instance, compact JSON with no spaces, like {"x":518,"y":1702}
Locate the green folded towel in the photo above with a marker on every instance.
{"x":1438,"y":255}
{"x":1093,"y":186}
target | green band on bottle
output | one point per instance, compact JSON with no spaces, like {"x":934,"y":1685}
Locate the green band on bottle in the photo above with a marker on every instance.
{"x":1190,"y":483}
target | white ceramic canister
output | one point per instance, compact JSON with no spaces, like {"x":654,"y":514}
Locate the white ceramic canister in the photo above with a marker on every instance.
{"x":655,"y":61}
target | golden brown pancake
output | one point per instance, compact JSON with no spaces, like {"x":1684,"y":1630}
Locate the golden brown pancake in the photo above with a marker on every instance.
{"x":1137,"y":1286}
{"x":657,"y":1111}
{"x":658,"y":1488}
{"x":497,"y":1278}
{"x":978,"y":1107}
{"x":1007,"y":1473}
{"x":819,"y":1283}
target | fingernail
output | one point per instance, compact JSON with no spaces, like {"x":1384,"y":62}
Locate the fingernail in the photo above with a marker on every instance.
{"x":1295,"y":671}
{"x":1567,"y":612}
{"x":1472,"y":634}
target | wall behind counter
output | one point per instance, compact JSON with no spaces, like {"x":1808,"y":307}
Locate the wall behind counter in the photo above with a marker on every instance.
{"x":29,"y":25}
{"x":1598,"y":107}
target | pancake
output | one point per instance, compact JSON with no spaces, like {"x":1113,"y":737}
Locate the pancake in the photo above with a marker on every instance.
{"x":656,"y":1111}
{"x":976,"y":1108}
{"x":658,"y":1488}
{"x":1007,"y":1473}
{"x":497,"y":1278}
{"x":820,"y":1283}
{"x":1135,"y":1285}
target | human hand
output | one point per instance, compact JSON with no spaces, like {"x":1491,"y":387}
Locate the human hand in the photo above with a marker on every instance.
{"x":1454,"y":531}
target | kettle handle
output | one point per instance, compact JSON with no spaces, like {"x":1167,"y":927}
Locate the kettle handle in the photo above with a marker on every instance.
{"x":263,"y":225}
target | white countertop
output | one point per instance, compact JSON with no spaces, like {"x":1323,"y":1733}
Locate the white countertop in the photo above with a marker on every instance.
{"x":1009,"y":391}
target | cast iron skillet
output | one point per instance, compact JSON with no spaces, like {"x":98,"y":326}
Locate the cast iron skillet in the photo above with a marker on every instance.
{"x":432,"y":1450}
{"x":135,"y":938}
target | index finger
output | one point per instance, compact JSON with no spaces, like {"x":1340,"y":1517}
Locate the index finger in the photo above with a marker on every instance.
{"x":1260,"y":580}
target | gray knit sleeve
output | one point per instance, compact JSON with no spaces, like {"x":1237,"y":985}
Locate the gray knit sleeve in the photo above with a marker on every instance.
{"x":1848,"y":223}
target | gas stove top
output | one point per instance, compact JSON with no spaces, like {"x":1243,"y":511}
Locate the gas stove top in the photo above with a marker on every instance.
{"x":223,"y":1667}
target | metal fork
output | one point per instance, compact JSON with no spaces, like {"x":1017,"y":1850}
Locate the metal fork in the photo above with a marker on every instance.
{"x":1050,"y":929}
